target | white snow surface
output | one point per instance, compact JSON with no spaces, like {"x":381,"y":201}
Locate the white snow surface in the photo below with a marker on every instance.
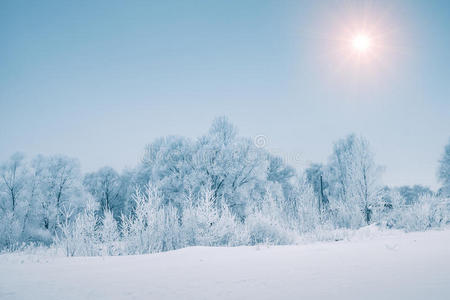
{"x":371,"y":264}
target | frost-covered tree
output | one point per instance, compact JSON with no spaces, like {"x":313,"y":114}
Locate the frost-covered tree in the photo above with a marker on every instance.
{"x":444,"y":171}
{"x":13,"y":176}
{"x":411,"y":194}
{"x":207,"y":224}
{"x":428,"y":211}
{"x":109,"y":234}
{"x":308,"y":210}
{"x":354,"y":178}
{"x":267,"y":223}
{"x":153,"y":227}
{"x":14,"y":203}
{"x":281,"y":174}
{"x":167,"y":164}
{"x":105,"y":186}
{"x":34,"y":211}
{"x":77,"y":232}
{"x":59,"y":184}
{"x":232,"y":168}
{"x":316,"y":177}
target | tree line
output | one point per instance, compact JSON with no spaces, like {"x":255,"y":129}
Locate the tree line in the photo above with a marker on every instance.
{"x":220,"y":189}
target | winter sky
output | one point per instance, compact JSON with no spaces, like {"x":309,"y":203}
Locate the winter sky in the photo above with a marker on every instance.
{"x":98,"y":80}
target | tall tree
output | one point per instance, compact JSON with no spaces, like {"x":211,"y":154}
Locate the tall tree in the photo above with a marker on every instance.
{"x":444,"y":171}
{"x":104,"y":185}
{"x":60,"y":184}
{"x":315,"y":176}
{"x":13,"y":175}
{"x":355,"y":176}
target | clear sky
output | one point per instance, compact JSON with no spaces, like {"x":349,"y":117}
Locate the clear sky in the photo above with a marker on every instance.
{"x":98,"y":80}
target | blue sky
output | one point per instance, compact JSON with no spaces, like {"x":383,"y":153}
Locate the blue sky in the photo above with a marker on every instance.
{"x":98,"y":80}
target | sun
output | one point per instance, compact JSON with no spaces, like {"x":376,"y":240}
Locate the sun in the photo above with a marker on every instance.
{"x":361,"y":43}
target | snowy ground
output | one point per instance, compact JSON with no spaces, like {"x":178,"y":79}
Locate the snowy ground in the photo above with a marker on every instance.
{"x":389,"y":265}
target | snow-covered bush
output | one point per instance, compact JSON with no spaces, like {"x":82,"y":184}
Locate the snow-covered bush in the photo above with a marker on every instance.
{"x":308,"y":215}
{"x":10,"y":231}
{"x":345,"y":214}
{"x":206,"y":224}
{"x":153,"y":227}
{"x":78,"y":235}
{"x":428,"y":212}
{"x":265,"y":229}
{"x":228,"y":230}
{"x":109,"y":234}
{"x":268,"y":224}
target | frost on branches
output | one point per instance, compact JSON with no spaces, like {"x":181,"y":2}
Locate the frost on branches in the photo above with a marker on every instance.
{"x":218,"y":190}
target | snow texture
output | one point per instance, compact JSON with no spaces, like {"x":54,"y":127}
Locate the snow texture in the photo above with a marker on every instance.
{"x":372,"y":264}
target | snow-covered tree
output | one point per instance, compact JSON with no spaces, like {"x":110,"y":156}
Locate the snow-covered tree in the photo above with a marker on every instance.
{"x":429,"y":211}
{"x":109,"y":234}
{"x":59,"y":184}
{"x":105,"y":186}
{"x":444,"y":171}
{"x":153,"y":227}
{"x":411,"y":194}
{"x":13,"y":176}
{"x":233,"y":168}
{"x":309,"y":212}
{"x":354,"y":178}
{"x":167,"y":164}
{"x":14,"y":201}
{"x":267,"y":222}
{"x":316,"y":177}
{"x":208,"y":223}
{"x":77,"y":232}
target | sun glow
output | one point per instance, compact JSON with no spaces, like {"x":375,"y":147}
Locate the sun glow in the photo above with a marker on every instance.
{"x":361,"y":43}
{"x":358,"y":41}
